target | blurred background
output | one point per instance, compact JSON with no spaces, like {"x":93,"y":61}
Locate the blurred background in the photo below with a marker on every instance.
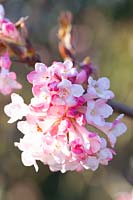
{"x":103,"y":30}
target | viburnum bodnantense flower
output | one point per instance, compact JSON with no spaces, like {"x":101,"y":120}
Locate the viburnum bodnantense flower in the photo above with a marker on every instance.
{"x":57,"y":120}
{"x":7,"y":79}
{"x":7,"y":28}
{"x":8,"y":32}
{"x":125,"y":196}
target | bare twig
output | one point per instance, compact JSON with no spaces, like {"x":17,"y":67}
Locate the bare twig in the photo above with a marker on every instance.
{"x":121,"y":108}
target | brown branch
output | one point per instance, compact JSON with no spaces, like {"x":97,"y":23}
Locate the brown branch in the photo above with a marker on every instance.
{"x":121,"y":108}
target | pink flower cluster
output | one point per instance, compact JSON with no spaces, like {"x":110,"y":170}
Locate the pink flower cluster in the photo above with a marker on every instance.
{"x":59,"y":116}
{"x":125,"y":196}
{"x":7,"y":28}
{"x":8,"y":32}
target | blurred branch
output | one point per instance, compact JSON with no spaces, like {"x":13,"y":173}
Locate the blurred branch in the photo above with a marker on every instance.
{"x":20,"y":48}
{"x":121,"y":108}
{"x":66,"y":48}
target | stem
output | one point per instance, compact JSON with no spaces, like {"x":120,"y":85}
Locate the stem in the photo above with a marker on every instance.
{"x":121,"y":108}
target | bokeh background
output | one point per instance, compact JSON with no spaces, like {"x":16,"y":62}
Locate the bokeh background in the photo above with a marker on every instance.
{"x":104,"y":31}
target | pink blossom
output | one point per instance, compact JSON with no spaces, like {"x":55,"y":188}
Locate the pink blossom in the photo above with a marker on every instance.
{"x":9,"y":30}
{"x":114,"y":130}
{"x":97,"y":111}
{"x":105,"y":155}
{"x":7,"y":79}
{"x":91,"y":163}
{"x":57,"y":119}
{"x":17,"y":109}
{"x":40,"y":104}
{"x":31,"y":145}
{"x":99,"y":88}
{"x":95,"y":143}
{"x":40,"y":75}
{"x":67,"y":93}
{"x":64,"y":70}
{"x":81,"y":77}
{"x":8,"y":82}
{"x":125,"y":196}
{"x":5,"y":61}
